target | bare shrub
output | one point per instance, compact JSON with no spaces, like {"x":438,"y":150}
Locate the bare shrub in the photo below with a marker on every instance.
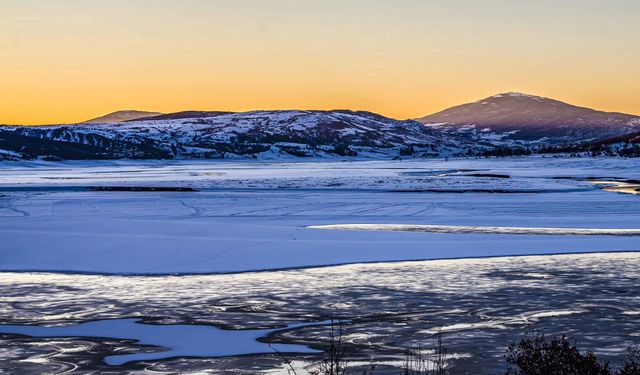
{"x":335,"y":360}
{"x":631,"y":365}
{"x":538,"y":355}
{"x":418,"y":363}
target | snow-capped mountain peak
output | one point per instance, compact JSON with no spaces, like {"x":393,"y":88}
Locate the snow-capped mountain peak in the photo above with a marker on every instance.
{"x":517,"y":119}
{"x":515,"y":94}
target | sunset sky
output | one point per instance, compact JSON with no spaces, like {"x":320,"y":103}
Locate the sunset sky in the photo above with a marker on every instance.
{"x":71,"y":60}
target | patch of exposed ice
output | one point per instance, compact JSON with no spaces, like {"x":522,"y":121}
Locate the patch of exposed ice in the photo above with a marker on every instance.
{"x":176,"y":340}
{"x":480,"y":229}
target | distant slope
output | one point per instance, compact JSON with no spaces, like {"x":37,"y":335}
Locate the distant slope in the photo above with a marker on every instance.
{"x":121,"y":116}
{"x":632,"y":138}
{"x":259,"y":134}
{"x":627,"y":145}
{"x":181,"y":115}
{"x":513,"y":119}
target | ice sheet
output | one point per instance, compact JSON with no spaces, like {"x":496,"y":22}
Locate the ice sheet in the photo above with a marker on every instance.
{"x":253,"y":216}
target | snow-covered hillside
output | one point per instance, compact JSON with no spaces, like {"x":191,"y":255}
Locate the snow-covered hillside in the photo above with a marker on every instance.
{"x":258,"y":134}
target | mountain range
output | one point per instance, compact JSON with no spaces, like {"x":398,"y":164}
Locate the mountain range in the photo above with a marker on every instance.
{"x":258,"y":134}
{"x":511,"y":121}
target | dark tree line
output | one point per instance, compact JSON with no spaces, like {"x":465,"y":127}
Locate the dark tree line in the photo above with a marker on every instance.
{"x":627,"y":150}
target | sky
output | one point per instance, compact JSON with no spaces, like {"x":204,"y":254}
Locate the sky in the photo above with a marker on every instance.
{"x":71,"y":60}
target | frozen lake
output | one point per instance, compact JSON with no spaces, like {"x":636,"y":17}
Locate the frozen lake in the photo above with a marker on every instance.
{"x":123,"y":217}
{"x":98,"y":241}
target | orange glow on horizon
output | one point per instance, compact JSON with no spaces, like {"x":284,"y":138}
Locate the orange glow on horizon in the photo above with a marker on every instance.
{"x":72,"y":60}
